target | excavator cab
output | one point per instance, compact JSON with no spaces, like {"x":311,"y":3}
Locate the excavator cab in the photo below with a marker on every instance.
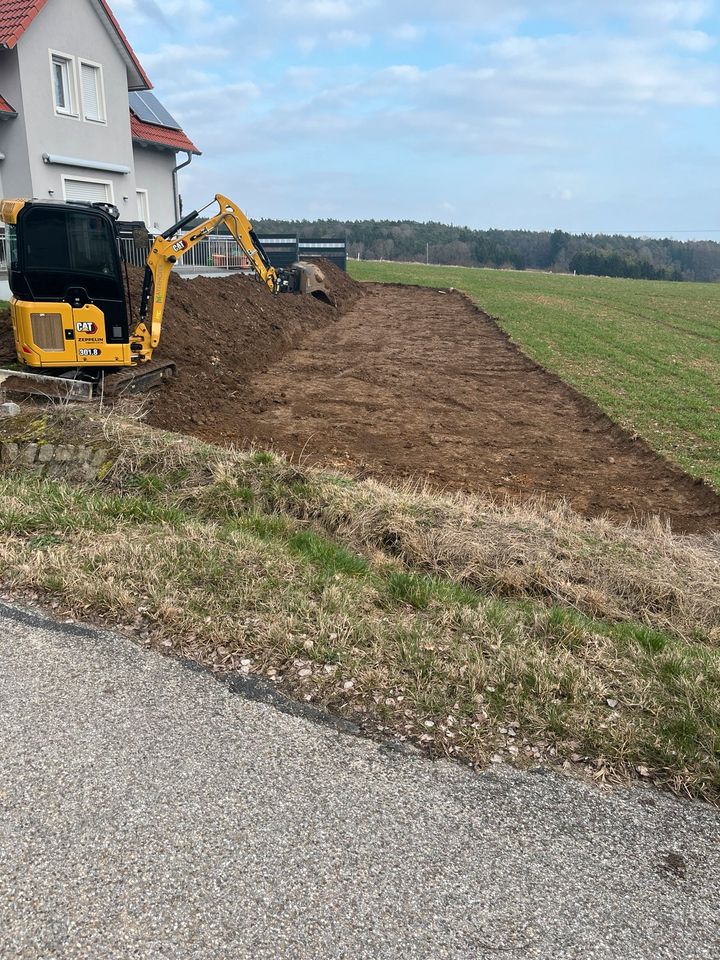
{"x":69,"y":305}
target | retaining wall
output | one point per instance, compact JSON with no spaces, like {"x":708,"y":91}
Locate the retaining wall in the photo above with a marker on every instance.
{"x":70,"y":461}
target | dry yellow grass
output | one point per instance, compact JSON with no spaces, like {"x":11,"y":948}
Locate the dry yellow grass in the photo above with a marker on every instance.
{"x":477,"y":629}
{"x":535,"y":550}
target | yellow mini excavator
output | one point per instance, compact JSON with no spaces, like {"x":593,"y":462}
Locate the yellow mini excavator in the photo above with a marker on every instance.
{"x":71,"y":309}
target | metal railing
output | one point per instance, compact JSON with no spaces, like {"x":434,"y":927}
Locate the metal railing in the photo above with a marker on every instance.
{"x":216,"y":253}
{"x":212,"y":253}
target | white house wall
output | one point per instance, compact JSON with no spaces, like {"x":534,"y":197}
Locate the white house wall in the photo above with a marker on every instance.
{"x":15,"y":168}
{"x":153,"y":172}
{"x":73,"y":27}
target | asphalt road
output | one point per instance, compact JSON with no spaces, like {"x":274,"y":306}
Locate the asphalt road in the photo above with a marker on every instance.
{"x":146,"y":811}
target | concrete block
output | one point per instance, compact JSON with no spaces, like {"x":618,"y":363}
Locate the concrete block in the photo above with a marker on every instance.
{"x":28,"y":452}
{"x":99,"y":457}
{"x":63,"y":453}
{"x":46,"y":454}
{"x":9,"y":452}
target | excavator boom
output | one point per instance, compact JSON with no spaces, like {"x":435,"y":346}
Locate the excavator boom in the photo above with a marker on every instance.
{"x":169,"y":247}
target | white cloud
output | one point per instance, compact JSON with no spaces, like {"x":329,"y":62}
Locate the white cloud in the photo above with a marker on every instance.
{"x":696,"y":41}
{"x":473,"y":85}
{"x":674,"y":11}
{"x":405,"y":72}
{"x":408,"y":32}
{"x":327,"y":10}
{"x":526,"y":96}
{"x":602,"y":72}
{"x":173,"y":55}
{"x":349,"y":38}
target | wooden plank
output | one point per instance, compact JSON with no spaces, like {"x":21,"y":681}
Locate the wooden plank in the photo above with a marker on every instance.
{"x":19,"y":383}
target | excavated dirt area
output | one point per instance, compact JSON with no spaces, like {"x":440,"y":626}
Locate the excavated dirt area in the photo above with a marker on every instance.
{"x":400,"y":382}
{"x":420,"y":383}
{"x":220,"y":331}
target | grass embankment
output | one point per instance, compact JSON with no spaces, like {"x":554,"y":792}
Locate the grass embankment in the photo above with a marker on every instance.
{"x":477,"y":630}
{"x":647,"y":352}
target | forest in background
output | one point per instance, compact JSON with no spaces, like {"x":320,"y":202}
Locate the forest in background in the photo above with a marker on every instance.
{"x":557,"y":251}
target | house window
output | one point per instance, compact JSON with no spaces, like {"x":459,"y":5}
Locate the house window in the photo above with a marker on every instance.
{"x":88,"y":191}
{"x":91,"y":84}
{"x":63,"y":80}
{"x":143,"y":205}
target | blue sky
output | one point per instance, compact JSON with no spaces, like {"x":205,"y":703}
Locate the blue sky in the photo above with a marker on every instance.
{"x":590,"y":117}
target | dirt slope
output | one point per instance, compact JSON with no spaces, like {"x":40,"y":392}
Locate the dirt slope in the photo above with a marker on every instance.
{"x":219,"y":331}
{"x":7,"y":340}
{"x":417,"y":382}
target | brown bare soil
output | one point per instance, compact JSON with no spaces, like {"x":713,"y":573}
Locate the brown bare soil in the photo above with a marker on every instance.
{"x":7,"y":340}
{"x":415,"y":382}
{"x":401,"y":382}
{"x":220,"y":331}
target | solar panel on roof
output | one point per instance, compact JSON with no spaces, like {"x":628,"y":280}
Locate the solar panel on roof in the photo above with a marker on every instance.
{"x":147,"y":107}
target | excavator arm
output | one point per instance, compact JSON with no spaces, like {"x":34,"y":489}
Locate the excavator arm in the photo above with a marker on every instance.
{"x":166,"y":251}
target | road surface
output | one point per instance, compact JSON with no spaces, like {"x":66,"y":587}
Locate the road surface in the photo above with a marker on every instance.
{"x":147,"y":811}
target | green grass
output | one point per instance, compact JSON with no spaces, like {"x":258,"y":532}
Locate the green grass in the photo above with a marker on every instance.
{"x":427,"y":657}
{"x":648,"y":352}
{"x":465,"y":626}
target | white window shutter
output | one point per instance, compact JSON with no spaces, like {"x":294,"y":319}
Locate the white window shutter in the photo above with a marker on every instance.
{"x":143,"y":207}
{"x":87,"y":191}
{"x":90,"y":80}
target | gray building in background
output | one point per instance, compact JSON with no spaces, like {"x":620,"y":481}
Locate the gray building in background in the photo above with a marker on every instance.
{"x":77,"y":118}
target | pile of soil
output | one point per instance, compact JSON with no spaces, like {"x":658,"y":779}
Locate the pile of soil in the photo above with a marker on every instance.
{"x":406,"y":382}
{"x":7,"y":340}
{"x":222,"y":330}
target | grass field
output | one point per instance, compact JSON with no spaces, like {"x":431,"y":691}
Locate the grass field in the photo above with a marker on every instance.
{"x":647,"y":352}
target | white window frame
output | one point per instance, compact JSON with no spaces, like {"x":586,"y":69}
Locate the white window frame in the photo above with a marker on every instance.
{"x":107,"y":183}
{"x":101,"y":90}
{"x":147,"y":206}
{"x":72,"y":113}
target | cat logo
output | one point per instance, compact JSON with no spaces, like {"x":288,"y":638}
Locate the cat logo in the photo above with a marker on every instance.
{"x":86,"y":326}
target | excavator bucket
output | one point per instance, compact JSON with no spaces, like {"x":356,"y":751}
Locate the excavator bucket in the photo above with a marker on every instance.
{"x":311,"y":281}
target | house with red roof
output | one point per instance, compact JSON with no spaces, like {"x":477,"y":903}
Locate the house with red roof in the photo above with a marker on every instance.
{"x":78,"y":119}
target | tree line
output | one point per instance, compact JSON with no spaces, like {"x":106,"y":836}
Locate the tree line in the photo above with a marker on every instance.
{"x":557,"y":251}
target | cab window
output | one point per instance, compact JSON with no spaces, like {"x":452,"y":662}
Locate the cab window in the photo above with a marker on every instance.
{"x":68,"y":241}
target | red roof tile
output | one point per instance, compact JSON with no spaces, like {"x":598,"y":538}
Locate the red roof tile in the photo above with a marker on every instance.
{"x":6,"y":108}
{"x":17,"y":15}
{"x":161,"y":136}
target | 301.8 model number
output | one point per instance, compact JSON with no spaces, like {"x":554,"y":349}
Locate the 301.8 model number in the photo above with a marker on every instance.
{"x":89,"y":352}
